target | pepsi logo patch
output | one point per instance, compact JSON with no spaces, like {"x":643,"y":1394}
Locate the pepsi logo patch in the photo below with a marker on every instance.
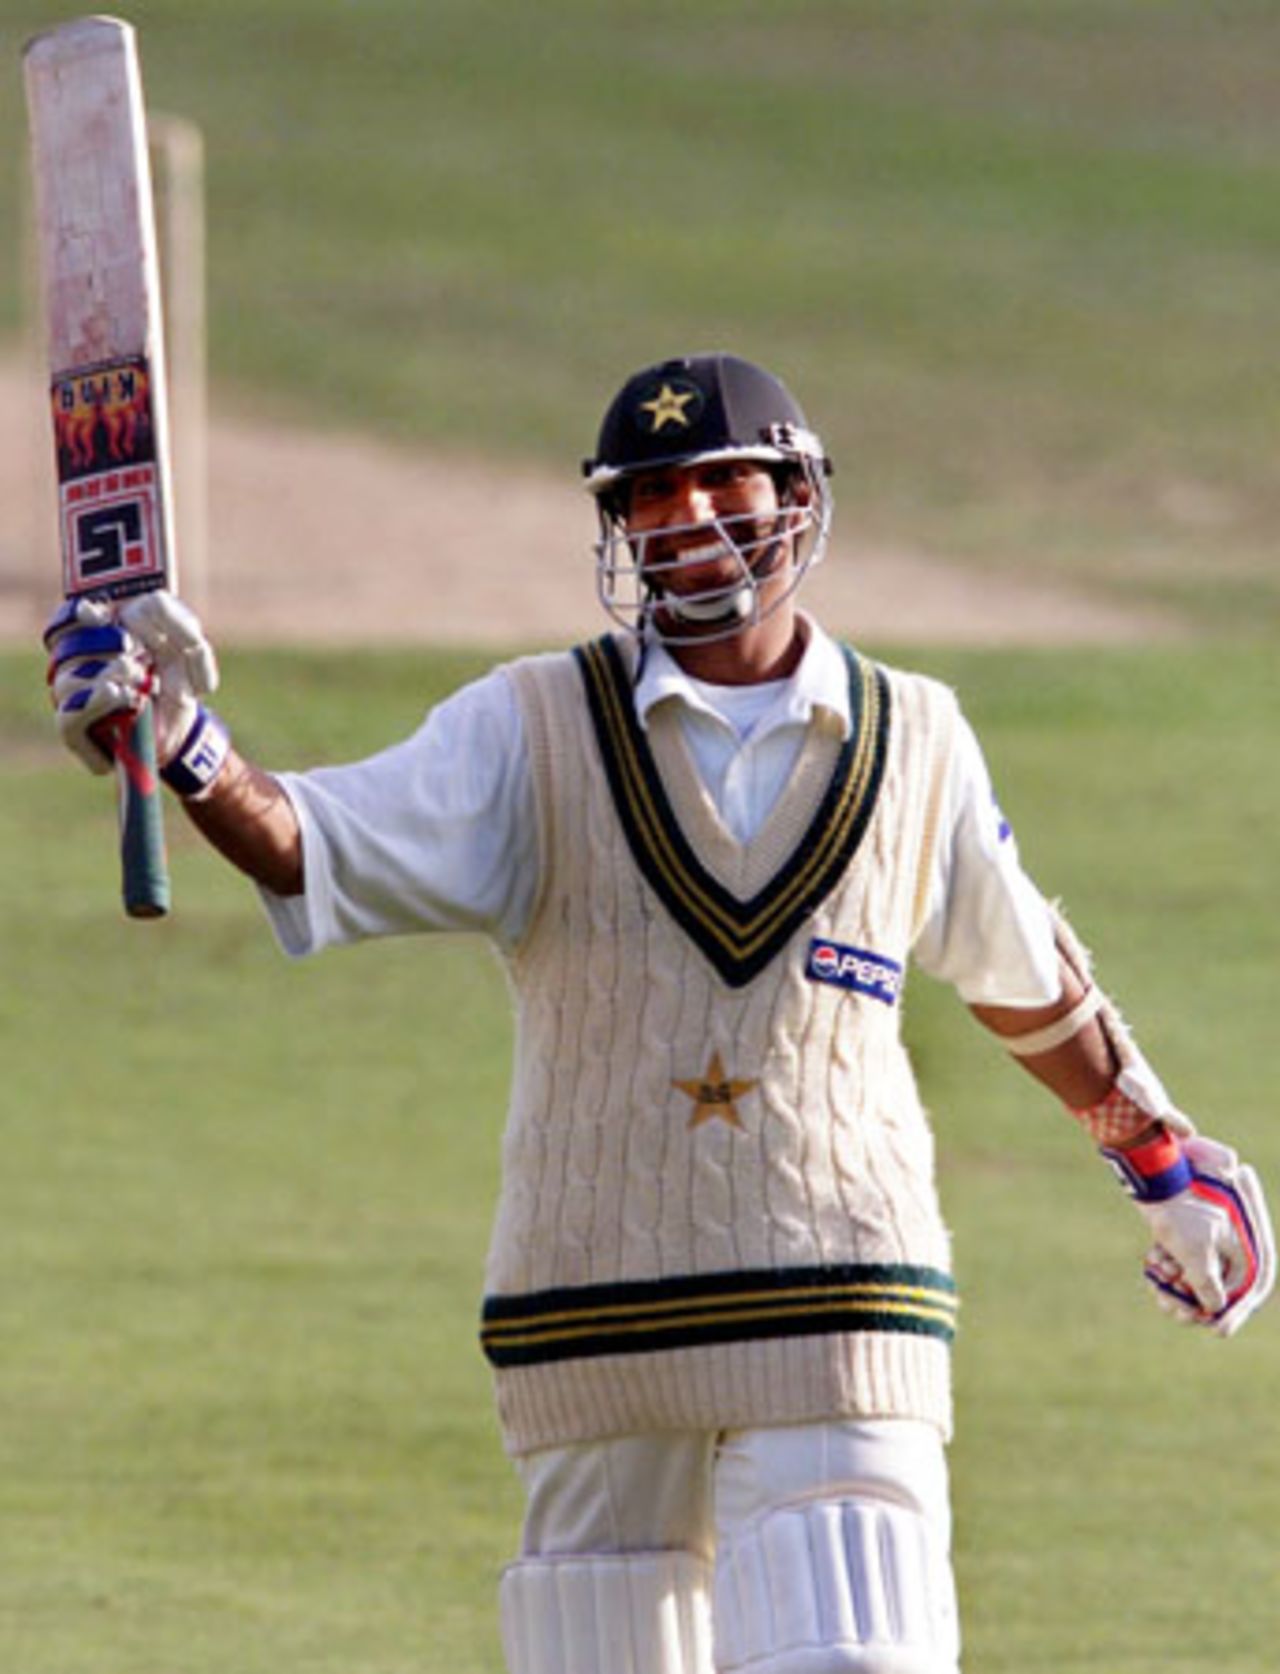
{"x":854,"y":968}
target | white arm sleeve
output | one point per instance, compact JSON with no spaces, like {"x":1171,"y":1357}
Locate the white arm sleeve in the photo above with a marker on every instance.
{"x":987,"y":930}
{"x":435,"y":833}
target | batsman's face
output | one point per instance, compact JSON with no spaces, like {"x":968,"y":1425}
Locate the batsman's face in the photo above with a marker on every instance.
{"x":679,"y":516}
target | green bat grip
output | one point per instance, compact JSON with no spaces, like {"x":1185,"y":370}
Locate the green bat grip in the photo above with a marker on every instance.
{"x":142,"y":853}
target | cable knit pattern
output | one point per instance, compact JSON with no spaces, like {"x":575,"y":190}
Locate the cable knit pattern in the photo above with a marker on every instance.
{"x":766,"y":1248}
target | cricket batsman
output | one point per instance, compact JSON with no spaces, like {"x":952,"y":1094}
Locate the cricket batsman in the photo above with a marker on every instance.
{"x":719,"y":1300}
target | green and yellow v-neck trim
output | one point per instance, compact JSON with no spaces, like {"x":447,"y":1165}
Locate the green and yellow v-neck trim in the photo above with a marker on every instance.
{"x":738,"y":936}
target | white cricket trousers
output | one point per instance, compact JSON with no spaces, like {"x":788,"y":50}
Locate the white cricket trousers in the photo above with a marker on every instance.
{"x":798,"y":1549}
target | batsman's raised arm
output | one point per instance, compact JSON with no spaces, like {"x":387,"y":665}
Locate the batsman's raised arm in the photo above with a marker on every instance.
{"x":249,"y":819}
{"x":435,"y":833}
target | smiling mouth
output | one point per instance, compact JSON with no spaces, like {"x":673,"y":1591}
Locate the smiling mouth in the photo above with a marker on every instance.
{"x":692,"y":594}
{"x":668,"y":565}
{"x":706,"y":554}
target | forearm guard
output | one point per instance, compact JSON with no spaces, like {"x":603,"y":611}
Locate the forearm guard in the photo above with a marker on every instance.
{"x":1137,"y":1098}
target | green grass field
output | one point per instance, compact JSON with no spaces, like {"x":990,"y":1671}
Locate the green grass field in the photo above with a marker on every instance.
{"x":1018,"y":257}
{"x":243,"y":1420}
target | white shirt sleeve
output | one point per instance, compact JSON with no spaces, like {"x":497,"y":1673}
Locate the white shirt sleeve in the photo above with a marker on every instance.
{"x":435,"y":833}
{"x":988,"y":930}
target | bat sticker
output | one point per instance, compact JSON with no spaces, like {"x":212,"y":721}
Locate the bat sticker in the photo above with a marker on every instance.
{"x":109,"y":486}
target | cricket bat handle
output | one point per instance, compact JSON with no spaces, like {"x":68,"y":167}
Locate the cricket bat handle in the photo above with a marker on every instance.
{"x":144,"y":867}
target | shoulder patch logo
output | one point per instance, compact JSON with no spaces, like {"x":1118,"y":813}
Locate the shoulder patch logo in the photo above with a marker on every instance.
{"x":856,"y":969}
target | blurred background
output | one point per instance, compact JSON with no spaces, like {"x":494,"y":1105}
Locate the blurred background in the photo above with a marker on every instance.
{"x":1018,"y":261}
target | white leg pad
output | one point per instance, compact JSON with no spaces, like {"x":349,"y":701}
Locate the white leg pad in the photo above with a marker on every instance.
{"x":630,"y":1613}
{"x":836,"y":1587}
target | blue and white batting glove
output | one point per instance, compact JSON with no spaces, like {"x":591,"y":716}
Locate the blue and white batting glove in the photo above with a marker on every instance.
{"x":95,"y":673}
{"x":105,"y":660}
{"x":1213,"y":1262}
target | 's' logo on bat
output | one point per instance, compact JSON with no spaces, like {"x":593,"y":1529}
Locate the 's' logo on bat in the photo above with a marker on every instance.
{"x":112,"y":533}
{"x":110,"y":539}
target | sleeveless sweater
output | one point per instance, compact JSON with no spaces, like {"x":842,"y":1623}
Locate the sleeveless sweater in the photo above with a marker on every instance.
{"x":718,"y":1206}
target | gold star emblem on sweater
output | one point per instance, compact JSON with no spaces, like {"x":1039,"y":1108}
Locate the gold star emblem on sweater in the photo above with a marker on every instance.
{"x":715,"y":1096}
{"x":668,"y":407}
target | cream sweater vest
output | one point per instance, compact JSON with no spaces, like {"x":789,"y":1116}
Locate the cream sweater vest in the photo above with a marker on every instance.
{"x":718,"y":1206}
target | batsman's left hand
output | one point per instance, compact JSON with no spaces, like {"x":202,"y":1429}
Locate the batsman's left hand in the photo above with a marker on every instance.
{"x":1213,"y":1262}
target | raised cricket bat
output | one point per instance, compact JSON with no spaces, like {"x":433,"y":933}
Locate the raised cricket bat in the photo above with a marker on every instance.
{"x":96,"y":234}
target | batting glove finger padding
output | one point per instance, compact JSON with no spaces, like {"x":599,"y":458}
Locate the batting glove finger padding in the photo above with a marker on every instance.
{"x":1242,"y":1251}
{"x":87,"y":693}
{"x":186,"y":667}
{"x":1213,"y":1260}
{"x":75,"y":613}
{"x":175,"y":638}
{"x":93,"y":675}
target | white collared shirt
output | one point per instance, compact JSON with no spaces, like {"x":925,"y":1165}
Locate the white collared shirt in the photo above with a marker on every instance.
{"x":745,"y":739}
{"x":439,"y":832}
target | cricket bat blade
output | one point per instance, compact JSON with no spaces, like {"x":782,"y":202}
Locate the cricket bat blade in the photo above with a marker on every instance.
{"x":95,"y":224}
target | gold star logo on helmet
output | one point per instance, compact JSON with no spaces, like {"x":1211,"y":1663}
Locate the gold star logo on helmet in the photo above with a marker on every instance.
{"x":668,"y":407}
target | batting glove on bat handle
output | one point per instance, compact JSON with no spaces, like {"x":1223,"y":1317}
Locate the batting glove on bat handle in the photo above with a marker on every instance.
{"x":106,"y":661}
{"x":100,"y":683}
{"x":1213,"y":1260}
{"x":183,"y":664}
{"x":97,"y":681}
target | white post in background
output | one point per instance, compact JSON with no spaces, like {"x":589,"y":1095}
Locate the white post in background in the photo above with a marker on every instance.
{"x":177,"y":159}
{"x":30,"y":586}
